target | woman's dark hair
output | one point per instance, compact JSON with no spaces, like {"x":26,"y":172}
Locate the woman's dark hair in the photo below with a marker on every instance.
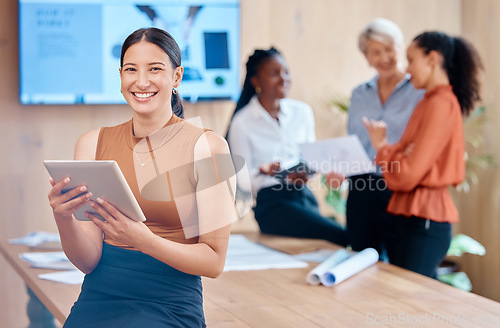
{"x":253,"y":64}
{"x":460,"y":61}
{"x":167,"y":43}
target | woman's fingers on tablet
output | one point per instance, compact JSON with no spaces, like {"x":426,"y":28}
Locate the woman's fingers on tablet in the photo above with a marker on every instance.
{"x":67,"y":203}
{"x":59,"y":185}
{"x":74,"y":193}
{"x":57,"y":189}
{"x":109,"y":208}
{"x":79,"y":201}
{"x":97,"y":221}
{"x":73,"y":204}
{"x":101,"y":207}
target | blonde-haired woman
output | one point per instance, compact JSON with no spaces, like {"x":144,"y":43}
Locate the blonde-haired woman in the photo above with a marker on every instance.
{"x":388,"y":96}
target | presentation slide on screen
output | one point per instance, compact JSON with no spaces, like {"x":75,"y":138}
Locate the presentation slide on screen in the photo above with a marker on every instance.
{"x":70,"y":50}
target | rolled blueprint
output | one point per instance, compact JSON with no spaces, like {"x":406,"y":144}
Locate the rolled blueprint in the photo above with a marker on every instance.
{"x":350,"y":267}
{"x":314,"y":277}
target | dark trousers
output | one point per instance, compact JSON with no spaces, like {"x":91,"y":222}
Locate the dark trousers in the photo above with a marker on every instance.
{"x":413,"y":243}
{"x":292,"y":211}
{"x":421,"y":245}
{"x":368,"y":223}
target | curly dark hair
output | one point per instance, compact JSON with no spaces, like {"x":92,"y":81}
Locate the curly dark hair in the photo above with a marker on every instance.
{"x":460,"y":61}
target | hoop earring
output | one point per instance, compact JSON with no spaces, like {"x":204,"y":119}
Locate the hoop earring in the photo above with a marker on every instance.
{"x":175,"y":90}
{"x":258,"y":90}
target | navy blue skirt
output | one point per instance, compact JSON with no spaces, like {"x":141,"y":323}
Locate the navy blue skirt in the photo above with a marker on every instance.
{"x":131,"y":289}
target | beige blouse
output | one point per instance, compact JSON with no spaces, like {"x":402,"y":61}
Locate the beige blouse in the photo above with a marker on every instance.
{"x":160,"y":171}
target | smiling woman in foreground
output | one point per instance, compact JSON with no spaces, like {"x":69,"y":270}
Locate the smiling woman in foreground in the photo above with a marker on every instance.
{"x":147,"y":274}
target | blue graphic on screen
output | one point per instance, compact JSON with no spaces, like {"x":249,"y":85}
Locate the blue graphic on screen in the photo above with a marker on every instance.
{"x":70,"y":50}
{"x":56,"y":59}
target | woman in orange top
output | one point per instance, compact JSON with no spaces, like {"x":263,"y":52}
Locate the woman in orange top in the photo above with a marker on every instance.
{"x":430,"y":155}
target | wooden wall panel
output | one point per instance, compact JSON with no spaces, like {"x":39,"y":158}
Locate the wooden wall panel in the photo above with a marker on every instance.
{"x":480,"y":209}
{"x":319,"y":41}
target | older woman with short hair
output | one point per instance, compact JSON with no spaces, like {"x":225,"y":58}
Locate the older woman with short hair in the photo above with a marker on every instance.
{"x":388,"y":96}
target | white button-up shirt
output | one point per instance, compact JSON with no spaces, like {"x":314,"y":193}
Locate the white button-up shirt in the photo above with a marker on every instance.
{"x":260,"y":139}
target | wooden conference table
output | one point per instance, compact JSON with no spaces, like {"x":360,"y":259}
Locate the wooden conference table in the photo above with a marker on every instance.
{"x":380,"y":296}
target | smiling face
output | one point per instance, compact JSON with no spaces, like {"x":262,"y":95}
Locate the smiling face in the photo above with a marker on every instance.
{"x":419,"y":66}
{"x":272,"y":78}
{"x":382,"y":56}
{"x":147,"y":78}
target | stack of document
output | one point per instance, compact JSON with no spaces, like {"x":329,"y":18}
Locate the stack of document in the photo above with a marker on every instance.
{"x":54,"y":261}
{"x":340,"y":266}
{"x":243,"y":254}
{"x":70,"y":277}
{"x":48,"y":260}
{"x":316,"y":256}
{"x":36,"y":238}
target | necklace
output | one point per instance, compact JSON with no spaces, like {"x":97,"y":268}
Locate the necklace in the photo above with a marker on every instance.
{"x":148,"y":142}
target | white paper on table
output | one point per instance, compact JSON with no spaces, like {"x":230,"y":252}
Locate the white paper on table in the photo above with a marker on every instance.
{"x":314,"y":277}
{"x":34,"y":239}
{"x":43,"y":257}
{"x":71,"y":277}
{"x":243,"y":254}
{"x":62,"y":265}
{"x":344,"y":155}
{"x":350,"y":267}
{"x":48,"y":260}
{"x":317,"y":256}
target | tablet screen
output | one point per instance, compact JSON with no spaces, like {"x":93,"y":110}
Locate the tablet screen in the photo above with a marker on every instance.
{"x":103,"y":179}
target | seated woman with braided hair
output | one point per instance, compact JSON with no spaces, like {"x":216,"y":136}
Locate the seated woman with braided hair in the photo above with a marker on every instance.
{"x":266,"y":130}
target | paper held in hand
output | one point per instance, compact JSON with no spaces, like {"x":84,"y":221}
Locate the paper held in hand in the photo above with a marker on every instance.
{"x":344,"y":155}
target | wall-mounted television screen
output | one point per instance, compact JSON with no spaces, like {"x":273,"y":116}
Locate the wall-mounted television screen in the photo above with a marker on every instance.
{"x":70,"y":49}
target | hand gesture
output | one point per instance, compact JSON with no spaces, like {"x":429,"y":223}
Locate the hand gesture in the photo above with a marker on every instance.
{"x":334,"y":179}
{"x":409,"y":149}
{"x":297,"y":178}
{"x":377,"y":130}
{"x":270,"y":169}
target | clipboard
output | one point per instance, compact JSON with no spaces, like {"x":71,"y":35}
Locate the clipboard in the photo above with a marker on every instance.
{"x":103,"y":179}
{"x":301,"y":167}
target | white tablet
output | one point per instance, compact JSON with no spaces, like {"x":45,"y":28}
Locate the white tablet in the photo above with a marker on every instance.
{"x":103,"y":179}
